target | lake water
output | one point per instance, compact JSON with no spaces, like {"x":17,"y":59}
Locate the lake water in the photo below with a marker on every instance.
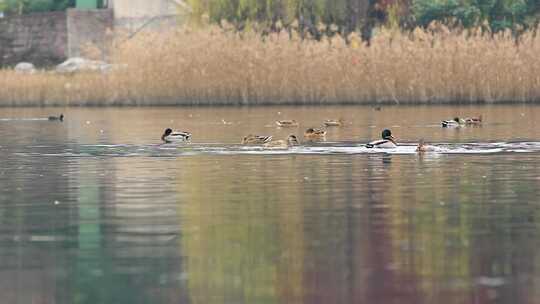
{"x":97,"y":210}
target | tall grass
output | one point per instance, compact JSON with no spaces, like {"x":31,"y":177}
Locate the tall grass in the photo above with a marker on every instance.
{"x":213,"y":67}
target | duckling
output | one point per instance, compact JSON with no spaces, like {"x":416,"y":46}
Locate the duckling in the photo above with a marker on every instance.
{"x":170,"y":136}
{"x":292,"y":140}
{"x":287,"y":123}
{"x":455,"y":123}
{"x":387,"y":141}
{"x":473,"y":120}
{"x":334,"y":123}
{"x":256,"y":139}
{"x":56,"y":118}
{"x":315,"y":134}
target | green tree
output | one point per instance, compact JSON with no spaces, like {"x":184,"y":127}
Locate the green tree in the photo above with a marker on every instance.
{"x":499,"y":14}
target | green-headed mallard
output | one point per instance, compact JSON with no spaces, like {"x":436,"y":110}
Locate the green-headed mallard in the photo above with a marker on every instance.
{"x":387,"y":141}
{"x":170,"y":136}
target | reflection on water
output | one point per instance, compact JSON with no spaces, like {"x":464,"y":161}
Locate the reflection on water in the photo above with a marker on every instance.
{"x":93,"y":210}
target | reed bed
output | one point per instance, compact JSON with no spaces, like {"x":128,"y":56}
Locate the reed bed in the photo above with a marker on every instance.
{"x":213,"y":67}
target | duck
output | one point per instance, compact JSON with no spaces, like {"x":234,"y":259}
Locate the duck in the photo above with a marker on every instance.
{"x":423,"y":147}
{"x":256,"y":139}
{"x":292,"y":140}
{"x":56,"y":118}
{"x":454,"y":123}
{"x":287,"y":123}
{"x":170,"y":136}
{"x":473,"y":120}
{"x":334,"y":123}
{"x":315,"y":134}
{"x":387,"y":141}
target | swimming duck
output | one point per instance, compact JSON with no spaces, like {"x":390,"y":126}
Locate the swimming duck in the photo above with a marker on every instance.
{"x":170,"y":136}
{"x":54,"y":118}
{"x":334,"y":123}
{"x":292,"y":140}
{"x":314,"y":134}
{"x":474,"y":120}
{"x":287,"y":123}
{"x":455,"y":123}
{"x":423,"y":147}
{"x":256,"y":139}
{"x":387,"y":141}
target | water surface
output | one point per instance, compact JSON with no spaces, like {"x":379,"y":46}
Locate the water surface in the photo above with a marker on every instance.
{"x":97,"y":210}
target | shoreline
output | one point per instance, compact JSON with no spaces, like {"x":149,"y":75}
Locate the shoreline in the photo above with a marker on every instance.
{"x":373,"y":105}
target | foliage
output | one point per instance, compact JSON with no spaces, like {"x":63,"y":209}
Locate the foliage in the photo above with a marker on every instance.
{"x":498,"y":14}
{"x":351,"y":15}
{"x":31,"y":6}
{"x":310,"y":14}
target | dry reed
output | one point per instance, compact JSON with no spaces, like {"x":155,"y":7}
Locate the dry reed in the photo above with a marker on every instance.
{"x":211,"y":67}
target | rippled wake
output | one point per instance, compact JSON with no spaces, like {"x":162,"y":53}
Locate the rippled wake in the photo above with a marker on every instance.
{"x":172,"y":150}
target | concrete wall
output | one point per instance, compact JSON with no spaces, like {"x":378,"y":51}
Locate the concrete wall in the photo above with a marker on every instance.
{"x":37,"y":38}
{"x":89,"y":27}
{"x":49,"y":38}
{"x":133,"y":15}
{"x":143,"y":8}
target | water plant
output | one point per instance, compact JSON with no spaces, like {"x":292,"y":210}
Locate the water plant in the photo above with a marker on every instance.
{"x":212,"y":66}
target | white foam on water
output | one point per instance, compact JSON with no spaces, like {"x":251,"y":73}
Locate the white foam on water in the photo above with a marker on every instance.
{"x":23,"y":119}
{"x":172,"y":150}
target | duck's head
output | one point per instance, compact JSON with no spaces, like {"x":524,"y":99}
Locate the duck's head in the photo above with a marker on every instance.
{"x":310,"y":131}
{"x":61,"y":117}
{"x":387,"y":134}
{"x":456,"y":119}
{"x":167,"y":132}
{"x":292,"y":140}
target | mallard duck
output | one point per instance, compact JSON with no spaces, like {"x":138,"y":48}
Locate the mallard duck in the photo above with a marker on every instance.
{"x":256,"y":139}
{"x":423,"y":147}
{"x":387,"y":141}
{"x":170,"y":136}
{"x":287,"y":123}
{"x":314,"y":134}
{"x":56,"y":118}
{"x":473,"y":120}
{"x":292,"y":140}
{"x":455,"y":123}
{"x":334,"y":123}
